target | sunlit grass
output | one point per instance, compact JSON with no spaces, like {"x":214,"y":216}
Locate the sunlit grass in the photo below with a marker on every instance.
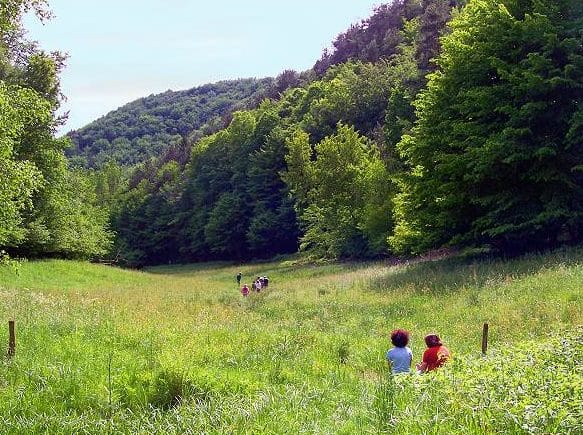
{"x":178,"y":349}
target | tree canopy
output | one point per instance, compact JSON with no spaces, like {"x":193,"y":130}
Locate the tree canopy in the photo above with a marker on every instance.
{"x":45,"y":209}
{"x":495,"y":156}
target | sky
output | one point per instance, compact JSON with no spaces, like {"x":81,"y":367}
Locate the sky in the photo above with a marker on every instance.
{"x":126,"y":49}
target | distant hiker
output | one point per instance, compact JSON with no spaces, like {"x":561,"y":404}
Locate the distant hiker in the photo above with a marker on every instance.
{"x":265,"y":281}
{"x":258,"y":285}
{"x":400,"y":356}
{"x":435,"y":355}
{"x":245,"y":290}
{"x":239,"y":275}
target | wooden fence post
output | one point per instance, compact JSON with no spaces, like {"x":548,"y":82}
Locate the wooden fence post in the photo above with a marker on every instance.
{"x":11,"y":339}
{"x":485,"y":339}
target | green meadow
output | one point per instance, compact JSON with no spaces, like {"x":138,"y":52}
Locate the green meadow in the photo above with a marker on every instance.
{"x":177,"y":349}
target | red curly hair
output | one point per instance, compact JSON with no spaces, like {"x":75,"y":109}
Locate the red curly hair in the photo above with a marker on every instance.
{"x":433,"y":340}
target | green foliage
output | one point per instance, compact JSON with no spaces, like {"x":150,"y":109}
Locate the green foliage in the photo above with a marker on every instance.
{"x":235,"y":178}
{"x":147,"y":127}
{"x":272,"y":224}
{"x":20,"y":178}
{"x":493,"y":157}
{"x":109,"y":181}
{"x":142,"y":216}
{"x":67,"y":221}
{"x":353,"y":93}
{"x":405,"y":83}
{"x":9,"y":262}
{"x":299,"y":175}
{"x":44,"y":208}
{"x":225,"y":230}
{"x":345,"y":188}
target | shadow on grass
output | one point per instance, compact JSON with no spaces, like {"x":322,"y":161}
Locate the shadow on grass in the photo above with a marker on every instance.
{"x":448,"y":274}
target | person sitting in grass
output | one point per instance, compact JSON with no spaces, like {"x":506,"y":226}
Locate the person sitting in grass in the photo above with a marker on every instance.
{"x":400,"y":356}
{"x":434,"y":356}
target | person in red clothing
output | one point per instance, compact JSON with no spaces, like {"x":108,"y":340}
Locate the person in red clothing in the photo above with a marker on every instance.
{"x":435,"y":355}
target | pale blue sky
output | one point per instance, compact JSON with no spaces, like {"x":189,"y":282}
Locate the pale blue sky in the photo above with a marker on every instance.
{"x":126,"y":49}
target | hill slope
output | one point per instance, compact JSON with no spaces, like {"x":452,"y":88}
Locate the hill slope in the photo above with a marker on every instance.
{"x":231,"y":201}
{"x":146,"y":127}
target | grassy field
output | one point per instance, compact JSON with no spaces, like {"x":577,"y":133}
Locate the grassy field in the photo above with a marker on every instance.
{"x":177,"y":349}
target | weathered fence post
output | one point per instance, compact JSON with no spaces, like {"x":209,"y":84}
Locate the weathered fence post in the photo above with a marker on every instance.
{"x":11,"y":339}
{"x":485,"y":339}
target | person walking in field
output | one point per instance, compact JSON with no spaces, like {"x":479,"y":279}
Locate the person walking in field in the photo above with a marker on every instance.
{"x":245,"y":290}
{"x":434,"y":356}
{"x":258,"y":285}
{"x":400,"y":356}
{"x":239,"y":276}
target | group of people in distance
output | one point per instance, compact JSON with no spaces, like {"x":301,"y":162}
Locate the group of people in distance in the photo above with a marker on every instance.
{"x":259,"y":283}
{"x":400,"y":357}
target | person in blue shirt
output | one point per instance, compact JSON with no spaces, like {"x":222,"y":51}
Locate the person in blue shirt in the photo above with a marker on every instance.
{"x":400,"y":356}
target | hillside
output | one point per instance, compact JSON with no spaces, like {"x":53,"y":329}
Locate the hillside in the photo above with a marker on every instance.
{"x":146,"y":127}
{"x":179,"y":350}
{"x":416,"y":132}
{"x":238,"y":196}
{"x":385,"y":158}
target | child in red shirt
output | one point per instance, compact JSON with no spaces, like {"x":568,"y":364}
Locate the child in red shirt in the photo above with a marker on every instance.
{"x":435,"y":355}
{"x":244,"y":290}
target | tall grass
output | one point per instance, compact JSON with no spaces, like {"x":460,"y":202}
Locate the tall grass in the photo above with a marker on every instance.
{"x":179,"y":350}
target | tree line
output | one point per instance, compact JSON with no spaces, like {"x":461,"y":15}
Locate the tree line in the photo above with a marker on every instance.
{"x":432,"y":123}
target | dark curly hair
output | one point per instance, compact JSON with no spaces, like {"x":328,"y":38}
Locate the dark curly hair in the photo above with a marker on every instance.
{"x":400,"y":337}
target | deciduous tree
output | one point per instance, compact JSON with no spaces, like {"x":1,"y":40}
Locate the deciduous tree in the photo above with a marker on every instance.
{"x":496,"y":155}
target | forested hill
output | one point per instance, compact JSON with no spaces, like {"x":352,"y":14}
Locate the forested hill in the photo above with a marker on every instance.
{"x":379,"y":157}
{"x":146,"y":127}
{"x":416,"y":131}
{"x":379,"y":36}
{"x":252,"y":190}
